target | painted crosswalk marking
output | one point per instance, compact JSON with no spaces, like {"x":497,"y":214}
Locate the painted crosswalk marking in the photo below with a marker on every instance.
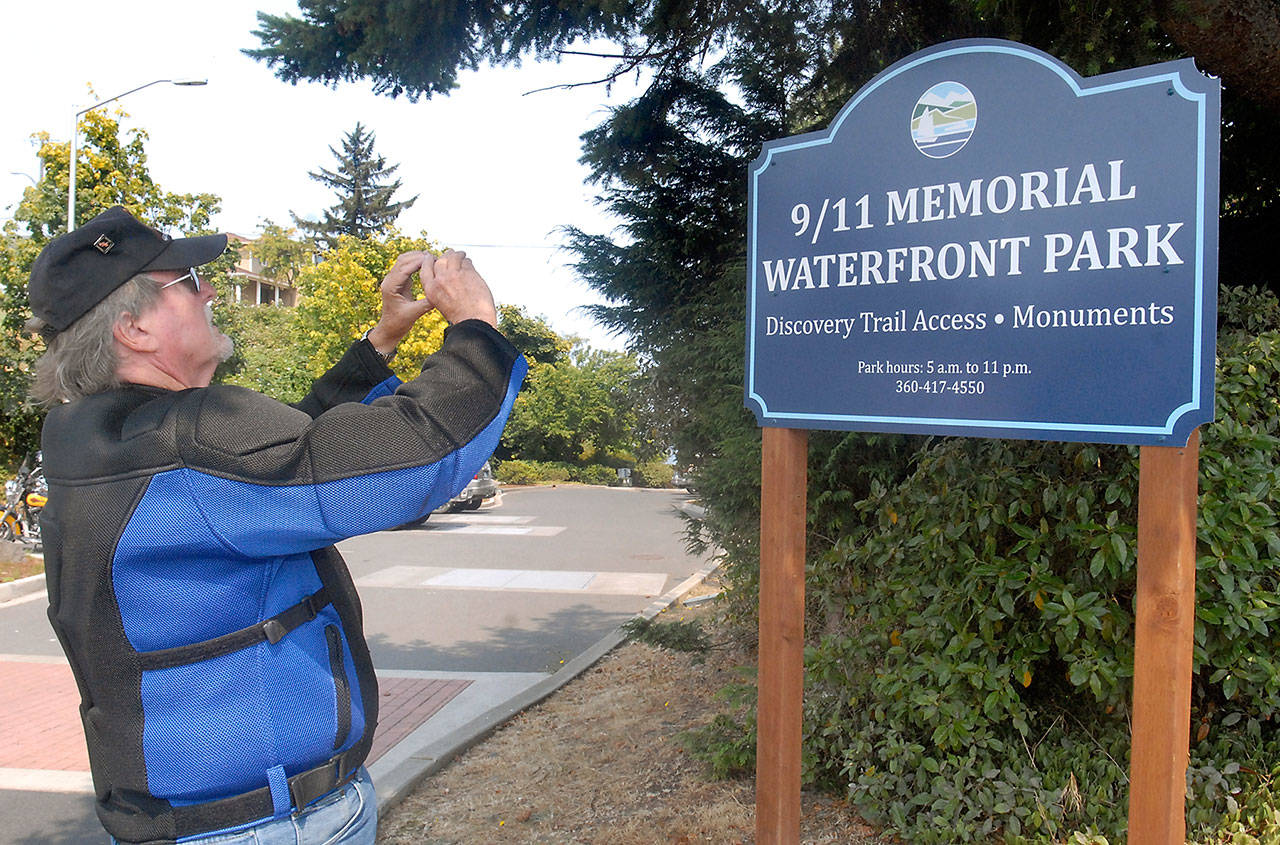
{"x":509,"y":530}
{"x":538,"y":580}
{"x":480,"y":523}
{"x":481,"y":519}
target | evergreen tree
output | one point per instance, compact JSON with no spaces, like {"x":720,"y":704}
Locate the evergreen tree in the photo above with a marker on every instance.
{"x":364,"y":188}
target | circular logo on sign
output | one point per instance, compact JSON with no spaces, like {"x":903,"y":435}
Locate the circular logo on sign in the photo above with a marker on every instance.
{"x":943,"y":119}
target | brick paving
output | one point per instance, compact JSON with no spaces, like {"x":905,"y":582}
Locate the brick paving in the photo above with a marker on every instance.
{"x":40,"y":718}
{"x":404,"y":704}
{"x":40,"y":722}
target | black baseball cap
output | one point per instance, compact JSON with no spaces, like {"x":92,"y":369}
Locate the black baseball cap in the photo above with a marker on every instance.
{"x":76,"y":271}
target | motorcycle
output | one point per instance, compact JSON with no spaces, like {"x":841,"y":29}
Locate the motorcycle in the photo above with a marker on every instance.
{"x":25,"y":496}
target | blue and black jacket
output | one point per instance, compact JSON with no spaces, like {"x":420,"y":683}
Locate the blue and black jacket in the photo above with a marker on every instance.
{"x":214,"y":631}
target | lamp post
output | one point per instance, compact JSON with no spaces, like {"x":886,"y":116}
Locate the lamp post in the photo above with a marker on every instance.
{"x":75,"y":136}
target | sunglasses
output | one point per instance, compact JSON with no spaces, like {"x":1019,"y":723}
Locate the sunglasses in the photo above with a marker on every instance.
{"x":190,"y":274}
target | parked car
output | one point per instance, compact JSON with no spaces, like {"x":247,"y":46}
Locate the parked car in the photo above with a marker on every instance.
{"x":482,"y":486}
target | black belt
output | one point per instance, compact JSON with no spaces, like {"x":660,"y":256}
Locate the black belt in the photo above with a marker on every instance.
{"x":304,"y":788}
{"x":269,"y":631}
{"x":307,"y":786}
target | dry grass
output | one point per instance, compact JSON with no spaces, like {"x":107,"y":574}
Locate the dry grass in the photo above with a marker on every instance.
{"x":17,"y":562}
{"x":601,"y":761}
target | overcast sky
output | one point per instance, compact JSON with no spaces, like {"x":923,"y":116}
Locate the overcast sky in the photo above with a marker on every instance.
{"x":496,"y":170}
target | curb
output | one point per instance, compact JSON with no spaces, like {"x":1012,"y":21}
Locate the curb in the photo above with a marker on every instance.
{"x":394,"y":785}
{"x":11,"y":590}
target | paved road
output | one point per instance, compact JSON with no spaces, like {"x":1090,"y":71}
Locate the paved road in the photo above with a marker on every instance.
{"x":520,"y":587}
{"x":460,"y":614}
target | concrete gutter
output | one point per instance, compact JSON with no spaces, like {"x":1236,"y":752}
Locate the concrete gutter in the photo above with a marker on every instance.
{"x":11,"y":590}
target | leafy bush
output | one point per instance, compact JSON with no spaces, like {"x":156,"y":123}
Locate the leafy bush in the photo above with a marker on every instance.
{"x":652,"y":474}
{"x":728,"y":743}
{"x":595,"y":474}
{"x":952,"y":705}
{"x":553,"y":472}
{"x":992,"y":696}
{"x":268,"y":357}
{"x":685,"y":635}
{"x":530,"y":472}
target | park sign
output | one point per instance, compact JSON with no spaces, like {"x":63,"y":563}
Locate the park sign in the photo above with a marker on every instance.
{"x":984,"y":243}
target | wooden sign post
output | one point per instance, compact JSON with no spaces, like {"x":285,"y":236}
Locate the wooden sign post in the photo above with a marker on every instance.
{"x":1164,"y":628}
{"x":779,"y":725}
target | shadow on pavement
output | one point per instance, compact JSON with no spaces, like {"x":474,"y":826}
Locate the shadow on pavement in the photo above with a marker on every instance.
{"x":543,"y":644}
{"x":50,"y":818}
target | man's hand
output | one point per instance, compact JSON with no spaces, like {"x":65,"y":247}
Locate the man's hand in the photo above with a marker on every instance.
{"x":400,"y":310}
{"x":450,"y":284}
{"x":457,"y":290}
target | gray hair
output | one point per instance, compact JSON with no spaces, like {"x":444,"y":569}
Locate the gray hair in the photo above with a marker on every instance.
{"x":81,"y":360}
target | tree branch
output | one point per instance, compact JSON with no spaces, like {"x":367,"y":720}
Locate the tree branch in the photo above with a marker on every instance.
{"x":1234,"y":39}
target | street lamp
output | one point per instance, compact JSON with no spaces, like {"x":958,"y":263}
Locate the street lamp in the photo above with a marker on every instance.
{"x":75,"y":136}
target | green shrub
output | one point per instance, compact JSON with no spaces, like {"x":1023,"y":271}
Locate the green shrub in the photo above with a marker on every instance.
{"x":552,"y":472}
{"x":728,"y":743}
{"x":512,"y":472}
{"x":652,"y":474}
{"x":685,"y":635}
{"x":595,"y":474}
{"x":530,"y":472}
{"x":971,"y":631}
{"x":268,"y":356}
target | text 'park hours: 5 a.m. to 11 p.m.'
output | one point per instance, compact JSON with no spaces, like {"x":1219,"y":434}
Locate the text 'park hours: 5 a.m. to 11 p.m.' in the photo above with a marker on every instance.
{"x":934,"y":375}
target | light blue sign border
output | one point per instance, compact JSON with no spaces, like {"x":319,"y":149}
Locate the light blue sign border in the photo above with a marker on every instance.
{"x":1183,"y":419}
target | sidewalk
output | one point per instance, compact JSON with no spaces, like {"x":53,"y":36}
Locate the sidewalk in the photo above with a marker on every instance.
{"x":426,"y":718}
{"x":43,"y":744}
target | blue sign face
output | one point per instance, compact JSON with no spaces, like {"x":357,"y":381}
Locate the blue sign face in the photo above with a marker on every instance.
{"x":983,"y":243}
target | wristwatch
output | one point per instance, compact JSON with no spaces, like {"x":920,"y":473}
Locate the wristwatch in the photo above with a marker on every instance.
{"x":386,"y":358}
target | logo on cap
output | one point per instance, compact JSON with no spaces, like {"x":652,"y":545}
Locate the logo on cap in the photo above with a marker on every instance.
{"x":104,"y":244}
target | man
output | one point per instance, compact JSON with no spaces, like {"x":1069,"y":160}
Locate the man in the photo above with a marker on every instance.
{"x":213,"y":630}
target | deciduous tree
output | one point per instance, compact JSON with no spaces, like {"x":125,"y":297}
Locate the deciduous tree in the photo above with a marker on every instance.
{"x":268,"y":356}
{"x":111,"y":169}
{"x":283,"y":253}
{"x":341,"y":300}
{"x":577,"y":409}
{"x":531,"y":335}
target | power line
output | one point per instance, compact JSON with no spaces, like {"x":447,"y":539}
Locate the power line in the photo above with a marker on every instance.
{"x":509,"y":246}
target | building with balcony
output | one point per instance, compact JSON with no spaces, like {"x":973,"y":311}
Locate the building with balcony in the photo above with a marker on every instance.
{"x":251,"y":282}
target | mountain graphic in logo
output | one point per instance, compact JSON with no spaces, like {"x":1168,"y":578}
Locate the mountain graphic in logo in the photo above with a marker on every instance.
{"x":943,"y":119}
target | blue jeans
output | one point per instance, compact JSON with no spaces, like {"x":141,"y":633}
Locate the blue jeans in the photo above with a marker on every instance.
{"x":348,"y":816}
